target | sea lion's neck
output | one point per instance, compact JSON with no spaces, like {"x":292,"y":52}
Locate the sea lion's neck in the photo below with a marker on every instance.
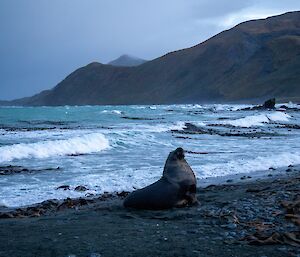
{"x":176,"y":171}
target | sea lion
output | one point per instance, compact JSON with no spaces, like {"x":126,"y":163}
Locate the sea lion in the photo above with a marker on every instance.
{"x":176,"y":187}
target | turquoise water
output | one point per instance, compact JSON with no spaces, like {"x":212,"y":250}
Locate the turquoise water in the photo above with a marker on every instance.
{"x":115,"y":148}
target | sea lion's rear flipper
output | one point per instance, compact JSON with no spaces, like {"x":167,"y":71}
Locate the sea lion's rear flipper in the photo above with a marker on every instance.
{"x":159,"y":195}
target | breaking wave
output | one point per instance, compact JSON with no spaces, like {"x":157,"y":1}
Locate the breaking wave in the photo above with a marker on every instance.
{"x":180,"y":125}
{"x":258,"y":120}
{"x":112,"y":111}
{"x":85,"y":144}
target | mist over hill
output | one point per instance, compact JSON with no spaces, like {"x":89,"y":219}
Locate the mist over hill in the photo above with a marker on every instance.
{"x":127,"y":61}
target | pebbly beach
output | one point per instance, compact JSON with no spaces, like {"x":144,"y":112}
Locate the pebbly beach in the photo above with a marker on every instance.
{"x":236,"y":216}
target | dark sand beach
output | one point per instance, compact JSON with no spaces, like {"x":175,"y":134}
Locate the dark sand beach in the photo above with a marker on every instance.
{"x":242,"y":216}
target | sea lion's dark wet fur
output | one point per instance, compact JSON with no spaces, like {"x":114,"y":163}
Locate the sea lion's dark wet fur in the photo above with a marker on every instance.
{"x":176,"y":188}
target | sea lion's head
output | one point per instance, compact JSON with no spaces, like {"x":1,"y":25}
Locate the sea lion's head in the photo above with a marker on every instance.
{"x":177,"y":154}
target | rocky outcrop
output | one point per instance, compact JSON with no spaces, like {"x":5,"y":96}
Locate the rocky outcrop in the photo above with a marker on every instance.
{"x":268,"y":105}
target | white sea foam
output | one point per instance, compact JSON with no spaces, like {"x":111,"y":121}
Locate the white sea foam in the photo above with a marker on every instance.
{"x":112,"y":111}
{"x":289,"y":105}
{"x":76,"y":145}
{"x":278,"y":116}
{"x":199,"y":123}
{"x":228,"y":107}
{"x":127,"y":180}
{"x":180,"y":125}
{"x":159,"y":128}
{"x":3,"y":203}
{"x":131,"y":178}
{"x":137,"y":107}
{"x":197,"y":106}
{"x":237,"y":107}
{"x":258,"y":120}
{"x":241,"y":165}
{"x":117,"y":112}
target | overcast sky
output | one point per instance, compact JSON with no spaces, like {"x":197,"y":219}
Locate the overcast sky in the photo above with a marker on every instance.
{"x":42,"y":41}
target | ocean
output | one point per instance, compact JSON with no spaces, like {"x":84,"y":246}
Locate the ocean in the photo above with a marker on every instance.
{"x":121,"y":148}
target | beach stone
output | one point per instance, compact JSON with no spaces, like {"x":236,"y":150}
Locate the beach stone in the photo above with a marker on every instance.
{"x":95,"y":255}
{"x":283,"y":249}
{"x":217,"y":238}
{"x":232,"y":233}
{"x":80,"y":188}
{"x":231,"y":226}
{"x":64,"y":187}
{"x":184,"y":233}
{"x":122,"y":194}
{"x":214,"y":222}
{"x":6,"y":215}
{"x":192,"y":231}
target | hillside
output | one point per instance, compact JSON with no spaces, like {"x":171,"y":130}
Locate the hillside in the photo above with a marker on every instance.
{"x":254,"y":60}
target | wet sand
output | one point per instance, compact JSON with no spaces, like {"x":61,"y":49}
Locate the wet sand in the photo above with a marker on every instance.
{"x":230,"y":220}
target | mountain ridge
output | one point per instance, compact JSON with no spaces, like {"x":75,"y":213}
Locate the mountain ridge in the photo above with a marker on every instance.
{"x":256,"y":59}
